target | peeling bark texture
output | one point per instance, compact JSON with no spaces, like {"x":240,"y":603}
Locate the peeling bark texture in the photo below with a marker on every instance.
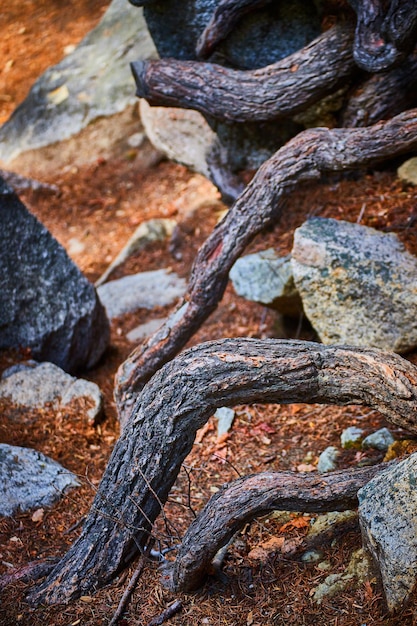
{"x":383,"y":95}
{"x":227,"y":14}
{"x":382,"y":36}
{"x":269,"y":93}
{"x":261,"y":204}
{"x":248,"y":497}
{"x":179,"y":400}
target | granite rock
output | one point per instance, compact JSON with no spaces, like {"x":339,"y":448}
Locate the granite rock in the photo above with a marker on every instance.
{"x":358,"y":286}
{"x":46,"y":304}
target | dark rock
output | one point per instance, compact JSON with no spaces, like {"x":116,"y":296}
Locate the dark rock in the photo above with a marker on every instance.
{"x":260,"y":38}
{"x":47,"y":305}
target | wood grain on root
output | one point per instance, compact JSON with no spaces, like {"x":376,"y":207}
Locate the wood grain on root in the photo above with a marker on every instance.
{"x":241,"y":501}
{"x":384,"y":32}
{"x":302,"y":159}
{"x":276,"y":91}
{"x":179,"y":400}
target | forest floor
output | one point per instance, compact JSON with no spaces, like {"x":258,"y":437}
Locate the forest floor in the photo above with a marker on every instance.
{"x":93,"y":215}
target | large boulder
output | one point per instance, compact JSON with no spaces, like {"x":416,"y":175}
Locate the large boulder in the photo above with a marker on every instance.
{"x":92,"y":82}
{"x":358,"y":285}
{"x":29,"y":480}
{"x":46,"y":304}
{"x":388,"y":519}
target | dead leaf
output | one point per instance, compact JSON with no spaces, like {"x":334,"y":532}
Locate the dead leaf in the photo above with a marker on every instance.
{"x":305,"y":467}
{"x":249,"y":619}
{"x":297,"y":522}
{"x":38,"y":515}
{"x":290,"y":545}
{"x":266,"y":549}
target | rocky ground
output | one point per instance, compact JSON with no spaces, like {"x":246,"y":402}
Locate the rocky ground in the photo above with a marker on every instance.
{"x":94,"y":213}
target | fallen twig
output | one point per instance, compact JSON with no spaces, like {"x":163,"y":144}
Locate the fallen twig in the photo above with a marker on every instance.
{"x":174,"y":608}
{"x":128,"y":592}
{"x":29,"y":572}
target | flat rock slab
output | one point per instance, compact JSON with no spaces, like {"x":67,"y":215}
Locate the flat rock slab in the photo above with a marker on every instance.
{"x":46,"y":304}
{"x":143,"y":331}
{"x":147,"y":232}
{"x":29,"y":480}
{"x":34,"y":385}
{"x":145,"y":290}
{"x":93,"y":81}
{"x":358,"y":286}
{"x":388,"y":519}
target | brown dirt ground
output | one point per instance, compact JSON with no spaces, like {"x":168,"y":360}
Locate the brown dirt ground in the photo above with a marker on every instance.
{"x":97,"y":209}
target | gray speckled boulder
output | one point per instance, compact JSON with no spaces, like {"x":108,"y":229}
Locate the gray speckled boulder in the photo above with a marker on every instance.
{"x":260,"y":38}
{"x":46,"y":304}
{"x":358,"y":285}
{"x":267,"y":278}
{"x":29,"y":479}
{"x":388,"y":519}
{"x":34,"y":385}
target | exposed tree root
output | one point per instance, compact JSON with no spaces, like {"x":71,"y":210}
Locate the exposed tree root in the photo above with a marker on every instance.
{"x":302,"y":159}
{"x":179,"y":400}
{"x":269,"y":93}
{"x":248,"y":497}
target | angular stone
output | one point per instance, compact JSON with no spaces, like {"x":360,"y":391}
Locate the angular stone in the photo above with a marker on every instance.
{"x":225,"y":417}
{"x":328,"y":460}
{"x":351,"y":437}
{"x":29,"y":480}
{"x":93,"y":81}
{"x":408,"y":171}
{"x":379,"y":440}
{"x":46,"y":304}
{"x":358,"y":286}
{"x":182,"y":135}
{"x":145,"y":290}
{"x":36,"y":384}
{"x":146,"y":233}
{"x":388,"y":519}
{"x":267,"y":278}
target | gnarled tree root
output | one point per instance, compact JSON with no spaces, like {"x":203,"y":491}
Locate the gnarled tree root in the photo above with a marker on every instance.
{"x":179,"y":400}
{"x":269,"y":93}
{"x":384,"y":31}
{"x":244,"y":499}
{"x":302,"y":159}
